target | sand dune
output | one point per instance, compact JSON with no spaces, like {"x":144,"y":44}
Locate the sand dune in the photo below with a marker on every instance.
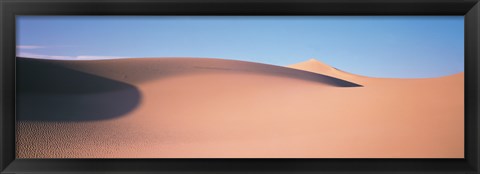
{"x":213,"y":108}
{"x":313,"y":65}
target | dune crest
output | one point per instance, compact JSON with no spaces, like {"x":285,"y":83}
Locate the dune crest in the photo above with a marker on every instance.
{"x":313,"y":64}
{"x":138,"y":70}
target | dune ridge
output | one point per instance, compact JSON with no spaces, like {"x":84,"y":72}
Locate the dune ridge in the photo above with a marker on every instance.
{"x":212,"y":108}
{"x":153,"y":68}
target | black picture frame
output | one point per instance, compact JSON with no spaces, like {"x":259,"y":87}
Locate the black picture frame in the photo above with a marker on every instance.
{"x":10,"y":8}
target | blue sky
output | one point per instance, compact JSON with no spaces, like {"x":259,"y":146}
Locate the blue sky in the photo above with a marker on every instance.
{"x":377,"y":46}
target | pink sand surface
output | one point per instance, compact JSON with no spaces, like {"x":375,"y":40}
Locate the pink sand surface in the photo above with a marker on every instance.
{"x":214,"y":108}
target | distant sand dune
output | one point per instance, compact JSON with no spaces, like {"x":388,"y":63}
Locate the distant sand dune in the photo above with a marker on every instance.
{"x":313,"y":65}
{"x":213,"y":108}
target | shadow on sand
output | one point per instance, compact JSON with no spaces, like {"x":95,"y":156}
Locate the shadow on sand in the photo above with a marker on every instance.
{"x":47,"y":92}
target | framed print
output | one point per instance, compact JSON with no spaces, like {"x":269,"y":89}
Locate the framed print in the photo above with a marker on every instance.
{"x":250,"y":86}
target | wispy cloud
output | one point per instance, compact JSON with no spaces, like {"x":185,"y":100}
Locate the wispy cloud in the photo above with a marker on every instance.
{"x":97,"y":57}
{"x":29,"y":46}
{"x":81,"y":57}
